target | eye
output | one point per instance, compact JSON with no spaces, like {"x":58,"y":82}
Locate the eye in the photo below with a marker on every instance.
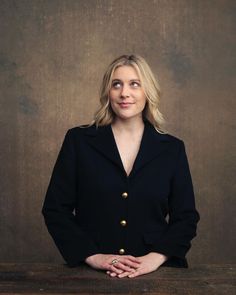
{"x":135,"y":84}
{"x":116,"y":84}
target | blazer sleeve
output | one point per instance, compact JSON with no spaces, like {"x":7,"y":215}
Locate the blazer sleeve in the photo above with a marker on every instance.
{"x":73,"y":244}
{"x":183,"y":216}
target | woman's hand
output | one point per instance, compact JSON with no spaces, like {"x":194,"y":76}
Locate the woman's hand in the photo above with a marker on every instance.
{"x":123,"y":264}
{"x":148,"y":263}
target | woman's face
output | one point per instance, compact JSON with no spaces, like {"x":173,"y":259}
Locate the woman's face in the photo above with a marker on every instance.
{"x":127,"y":96}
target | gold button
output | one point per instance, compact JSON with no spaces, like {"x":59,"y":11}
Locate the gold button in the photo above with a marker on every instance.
{"x":122,"y":251}
{"x":125,"y":195}
{"x":123,"y":222}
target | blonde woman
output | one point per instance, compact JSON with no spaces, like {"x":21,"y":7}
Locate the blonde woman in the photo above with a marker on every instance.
{"x":127,"y":181}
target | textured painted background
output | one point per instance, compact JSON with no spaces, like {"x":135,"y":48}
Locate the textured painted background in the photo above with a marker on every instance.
{"x":52,"y":57}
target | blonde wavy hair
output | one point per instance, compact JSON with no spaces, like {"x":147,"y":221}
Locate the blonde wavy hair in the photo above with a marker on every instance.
{"x":105,"y":115}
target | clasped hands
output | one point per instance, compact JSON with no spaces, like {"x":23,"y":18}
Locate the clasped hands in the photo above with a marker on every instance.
{"x":126,"y":265}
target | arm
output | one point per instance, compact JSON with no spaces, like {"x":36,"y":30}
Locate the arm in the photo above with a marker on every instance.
{"x":73,"y":244}
{"x":183,"y":216}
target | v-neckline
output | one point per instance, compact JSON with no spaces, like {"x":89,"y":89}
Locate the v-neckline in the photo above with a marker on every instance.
{"x":137,"y":155}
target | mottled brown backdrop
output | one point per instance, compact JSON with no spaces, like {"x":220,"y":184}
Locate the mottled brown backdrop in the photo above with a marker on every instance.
{"x":52,"y":57}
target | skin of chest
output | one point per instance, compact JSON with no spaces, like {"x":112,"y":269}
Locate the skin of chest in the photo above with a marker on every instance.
{"x":128,"y":149}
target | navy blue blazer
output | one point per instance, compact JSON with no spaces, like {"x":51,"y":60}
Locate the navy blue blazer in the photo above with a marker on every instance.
{"x":92,"y":206}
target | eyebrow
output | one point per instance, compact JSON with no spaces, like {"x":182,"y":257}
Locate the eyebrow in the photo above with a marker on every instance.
{"x":129,"y":80}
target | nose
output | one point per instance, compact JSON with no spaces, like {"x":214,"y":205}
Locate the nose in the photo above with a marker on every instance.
{"x":125,"y":91}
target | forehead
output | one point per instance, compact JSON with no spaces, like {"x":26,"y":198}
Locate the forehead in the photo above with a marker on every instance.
{"x":125,"y":73}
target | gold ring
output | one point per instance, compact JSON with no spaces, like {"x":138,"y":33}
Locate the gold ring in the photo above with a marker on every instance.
{"x":114,"y":261}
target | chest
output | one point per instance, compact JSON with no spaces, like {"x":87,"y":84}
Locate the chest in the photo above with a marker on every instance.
{"x":128,"y":149}
{"x":102,"y":180}
{"x":104,"y":162}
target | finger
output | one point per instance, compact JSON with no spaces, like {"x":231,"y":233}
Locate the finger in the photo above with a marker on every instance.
{"x":123,"y":264}
{"x":137,"y":273}
{"x":112,"y":268}
{"x":122,"y":267}
{"x":140,"y":272}
{"x":126,"y":260}
{"x":129,"y":263}
{"x":113,"y":274}
{"x":132,"y":258}
{"x":125,"y":274}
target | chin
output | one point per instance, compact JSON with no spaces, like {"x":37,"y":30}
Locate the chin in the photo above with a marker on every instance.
{"x":127,"y":117}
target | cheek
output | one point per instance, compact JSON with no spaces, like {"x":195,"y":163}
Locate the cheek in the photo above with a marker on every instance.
{"x":112,"y":96}
{"x":142,"y":101}
{"x":112,"y":100}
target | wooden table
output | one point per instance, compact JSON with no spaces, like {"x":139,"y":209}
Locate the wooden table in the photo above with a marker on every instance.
{"x":60,"y":279}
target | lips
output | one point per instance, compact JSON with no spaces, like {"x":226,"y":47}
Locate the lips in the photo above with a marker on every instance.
{"x":125,"y":104}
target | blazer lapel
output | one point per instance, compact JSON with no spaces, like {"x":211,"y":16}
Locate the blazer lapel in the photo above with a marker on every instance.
{"x":102,"y":140}
{"x":152,"y":145}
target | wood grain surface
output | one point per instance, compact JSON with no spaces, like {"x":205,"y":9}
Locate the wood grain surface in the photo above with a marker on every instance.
{"x":60,"y":279}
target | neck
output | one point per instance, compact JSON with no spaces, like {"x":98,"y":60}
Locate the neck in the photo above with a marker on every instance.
{"x":128,"y":125}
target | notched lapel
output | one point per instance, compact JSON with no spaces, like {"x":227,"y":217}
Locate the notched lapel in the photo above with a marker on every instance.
{"x":102,"y":140}
{"x":152,"y":145}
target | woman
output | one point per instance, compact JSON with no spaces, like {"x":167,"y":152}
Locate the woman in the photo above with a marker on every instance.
{"x":121,"y":197}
